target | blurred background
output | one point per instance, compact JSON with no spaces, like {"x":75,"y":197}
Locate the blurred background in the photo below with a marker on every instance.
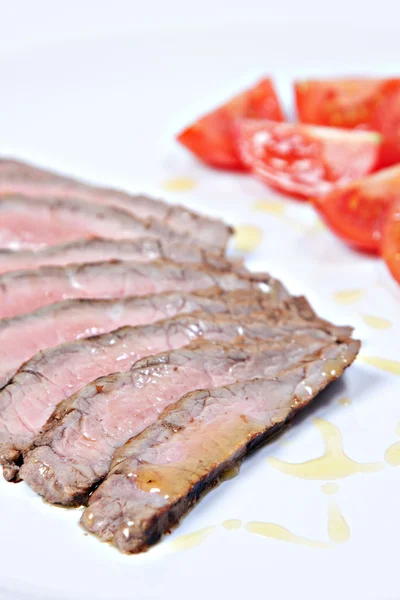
{"x":89,"y":70}
{"x":25,"y":23}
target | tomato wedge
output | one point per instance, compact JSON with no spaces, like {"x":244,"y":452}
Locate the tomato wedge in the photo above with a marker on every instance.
{"x":356,"y":212}
{"x":304,"y":160}
{"x":391,"y":239}
{"x":372,"y":104}
{"x":211,"y":137}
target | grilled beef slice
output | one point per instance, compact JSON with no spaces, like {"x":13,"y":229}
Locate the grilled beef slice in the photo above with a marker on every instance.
{"x":74,"y":452}
{"x":20,"y":178}
{"x":22,"y":337}
{"x":54,"y":374}
{"x":25,"y":224}
{"x":159,"y":475}
{"x":24,"y":291}
{"x":100,"y":249}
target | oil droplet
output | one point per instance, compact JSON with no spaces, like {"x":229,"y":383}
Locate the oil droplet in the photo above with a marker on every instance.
{"x":377,"y":322}
{"x":230,"y":474}
{"x":345,"y":401}
{"x":277,"y":532}
{"x":392,"y":455}
{"x":294,"y":223}
{"x":232,"y":524}
{"x":179,"y":184}
{"x":333,"y":464}
{"x":315,"y":228}
{"x":272,"y":207}
{"x":191,"y":540}
{"x":319,"y":225}
{"x":338,"y":530}
{"x":391,"y":366}
{"x":330,"y":488}
{"x":348,"y":296}
{"x":247,"y":238}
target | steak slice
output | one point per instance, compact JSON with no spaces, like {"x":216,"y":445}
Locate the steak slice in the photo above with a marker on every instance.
{"x":100,"y":250}
{"x":54,"y":374}
{"x":30,"y":225}
{"x":74,"y":452}
{"x":159,"y":475}
{"x":20,"y":178}
{"x":22,"y":337}
{"x":25,"y":291}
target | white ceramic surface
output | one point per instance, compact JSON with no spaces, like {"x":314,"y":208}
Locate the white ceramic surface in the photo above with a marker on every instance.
{"x":106,"y":109}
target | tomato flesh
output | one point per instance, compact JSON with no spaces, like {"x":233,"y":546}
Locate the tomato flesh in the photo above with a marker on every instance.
{"x":356,"y":212}
{"x":211,"y":138}
{"x":372,"y":104}
{"x":391,"y":239}
{"x":303,"y":160}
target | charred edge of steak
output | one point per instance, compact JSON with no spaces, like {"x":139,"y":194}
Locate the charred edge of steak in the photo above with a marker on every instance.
{"x":307,"y":313}
{"x":11,"y":461}
{"x":166,"y":520}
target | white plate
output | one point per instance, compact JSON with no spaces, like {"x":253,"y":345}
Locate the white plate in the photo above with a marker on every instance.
{"x":107,"y":110}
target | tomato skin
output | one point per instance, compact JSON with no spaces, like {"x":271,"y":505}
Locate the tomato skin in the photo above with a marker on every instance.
{"x":211,"y":138}
{"x":386,"y":120}
{"x":356,"y":213}
{"x":346,"y":103}
{"x":212,"y":144}
{"x":372,"y":104}
{"x":303,"y":160}
{"x":390,"y":246}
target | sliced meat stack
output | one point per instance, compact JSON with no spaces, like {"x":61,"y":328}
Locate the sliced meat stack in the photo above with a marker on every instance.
{"x":25,"y":224}
{"x":101,"y":250}
{"x":57,"y":373}
{"x":160,"y":474}
{"x":39,"y":184}
{"x":24,"y":291}
{"x":22,"y":337}
{"x":137,"y":363}
{"x":74,"y":452}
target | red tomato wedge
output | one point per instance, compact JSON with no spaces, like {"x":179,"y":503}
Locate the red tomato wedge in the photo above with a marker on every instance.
{"x":211,"y":137}
{"x":303,"y":160}
{"x":354,"y":103}
{"x":390,"y":247}
{"x":356,"y":212}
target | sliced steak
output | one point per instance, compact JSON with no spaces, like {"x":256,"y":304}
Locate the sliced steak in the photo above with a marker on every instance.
{"x":30,"y":225}
{"x":159,"y":475}
{"x":100,"y":250}
{"x":25,"y":291}
{"x":22,"y":337}
{"x":20,"y":178}
{"x":74,"y":452}
{"x":54,"y":374}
